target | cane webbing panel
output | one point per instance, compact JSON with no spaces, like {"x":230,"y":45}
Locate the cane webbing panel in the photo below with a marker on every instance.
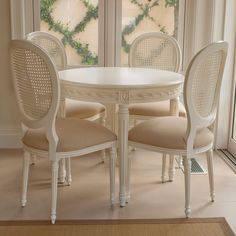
{"x":156,"y":53}
{"x":52,"y":48}
{"x":33,"y":83}
{"x":205,"y":83}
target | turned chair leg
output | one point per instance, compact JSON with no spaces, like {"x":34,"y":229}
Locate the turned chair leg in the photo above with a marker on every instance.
{"x":211,"y":174}
{"x":55,"y":167}
{"x":68,"y":171}
{"x":103,"y":152}
{"x":171,"y":167}
{"x":62,"y":171}
{"x":26,"y":165}
{"x":187,"y":175}
{"x":33,"y":159}
{"x":163,"y":167}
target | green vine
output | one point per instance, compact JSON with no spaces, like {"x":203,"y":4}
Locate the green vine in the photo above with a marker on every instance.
{"x":88,"y":57}
{"x":128,"y":29}
{"x":171,"y":3}
{"x":92,"y":13}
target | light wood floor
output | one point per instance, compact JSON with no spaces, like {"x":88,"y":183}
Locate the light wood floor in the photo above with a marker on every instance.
{"x":88,"y":197}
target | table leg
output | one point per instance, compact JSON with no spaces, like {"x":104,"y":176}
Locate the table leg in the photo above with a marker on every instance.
{"x":113,"y":117}
{"x":123,"y":116}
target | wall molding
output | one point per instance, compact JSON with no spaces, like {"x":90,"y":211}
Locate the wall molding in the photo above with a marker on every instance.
{"x":17,"y":19}
{"x":22,"y":21}
{"x":10,"y":137}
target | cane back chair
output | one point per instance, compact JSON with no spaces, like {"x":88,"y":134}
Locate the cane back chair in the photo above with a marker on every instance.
{"x":191,"y":135}
{"x":72,"y":108}
{"x":155,"y":50}
{"x":38,"y":94}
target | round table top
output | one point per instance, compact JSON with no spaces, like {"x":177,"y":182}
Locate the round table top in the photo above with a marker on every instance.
{"x":119,"y":77}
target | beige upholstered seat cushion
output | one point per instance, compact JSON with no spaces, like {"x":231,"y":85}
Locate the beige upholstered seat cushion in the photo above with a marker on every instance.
{"x":83,"y":110}
{"x":168,"y":132}
{"x":154,"y":109}
{"x":74,"y":134}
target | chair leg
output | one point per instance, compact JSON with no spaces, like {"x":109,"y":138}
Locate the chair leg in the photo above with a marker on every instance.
{"x":68,"y":171}
{"x":180,"y":162}
{"x":112,"y":174}
{"x":163,"y":167}
{"x":211,"y":174}
{"x":171,"y":167}
{"x":55,"y":167}
{"x":33,"y":159}
{"x":62,"y":171}
{"x":26,"y":164}
{"x":187,"y":168}
{"x":134,"y":123}
{"x":103,"y":152}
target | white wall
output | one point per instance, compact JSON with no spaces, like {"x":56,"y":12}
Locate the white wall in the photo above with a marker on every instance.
{"x":9,"y":115}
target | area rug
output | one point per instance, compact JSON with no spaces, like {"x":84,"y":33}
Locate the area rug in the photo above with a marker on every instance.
{"x":166,"y":227}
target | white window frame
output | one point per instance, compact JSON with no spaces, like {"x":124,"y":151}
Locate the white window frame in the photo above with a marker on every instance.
{"x":227,"y":101}
{"x":23,"y":22}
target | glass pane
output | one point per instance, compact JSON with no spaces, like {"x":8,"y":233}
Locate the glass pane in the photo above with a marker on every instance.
{"x":142,"y":16}
{"x":75,"y":23}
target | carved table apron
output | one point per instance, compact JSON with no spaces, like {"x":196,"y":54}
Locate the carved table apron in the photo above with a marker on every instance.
{"x":122,"y":86}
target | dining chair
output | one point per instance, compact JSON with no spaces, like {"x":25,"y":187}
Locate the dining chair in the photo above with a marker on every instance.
{"x":72,"y":108}
{"x":155,"y":50}
{"x":56,"y":50}
{"x":191,"y":135}
{"x":37,"y":89}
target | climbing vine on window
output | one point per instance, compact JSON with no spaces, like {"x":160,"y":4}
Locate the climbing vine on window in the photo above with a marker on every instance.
{"x":69,"y":38}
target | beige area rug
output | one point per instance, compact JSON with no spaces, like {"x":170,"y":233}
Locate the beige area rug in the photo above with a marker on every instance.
{"x":166,"y":227}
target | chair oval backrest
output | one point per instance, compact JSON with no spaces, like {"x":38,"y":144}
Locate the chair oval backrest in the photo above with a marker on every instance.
{"x":36,"y":83}
{"x":202,"y":85}
{"x":155,"y":50}
{"x":52,"y":45}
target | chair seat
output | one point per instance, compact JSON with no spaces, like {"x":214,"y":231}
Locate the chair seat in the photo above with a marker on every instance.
{"x":83,"y":110}
{"x":73,"y":134}
{"x":155,"y":109}
{"x":168,"y":132}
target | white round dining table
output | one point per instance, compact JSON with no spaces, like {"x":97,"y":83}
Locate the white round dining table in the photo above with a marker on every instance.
{"x":122,"y":86}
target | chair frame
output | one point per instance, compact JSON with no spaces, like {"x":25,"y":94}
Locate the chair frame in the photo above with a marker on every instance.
{"x":133,"y":47}
{"x":195,"y":121}
{"x":156,"y":35}
{"x":33,"y":36}
{"x":48,"y":122}
{"x":134,"y":118}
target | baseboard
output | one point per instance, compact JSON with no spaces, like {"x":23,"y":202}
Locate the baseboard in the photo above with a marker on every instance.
{"x":10,"y":137}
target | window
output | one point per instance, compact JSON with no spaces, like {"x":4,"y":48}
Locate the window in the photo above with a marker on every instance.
{"x":87,"y":27}
{"x":76,"y":24}
{"x":142,"y":16}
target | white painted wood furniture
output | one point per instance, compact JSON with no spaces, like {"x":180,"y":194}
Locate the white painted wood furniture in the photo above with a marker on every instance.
{"x":73,"y":108}
{"x":37,"y":90}
{"x":192,"y":135}
{"x":155,"y":50}
{"x":122,"y":86}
